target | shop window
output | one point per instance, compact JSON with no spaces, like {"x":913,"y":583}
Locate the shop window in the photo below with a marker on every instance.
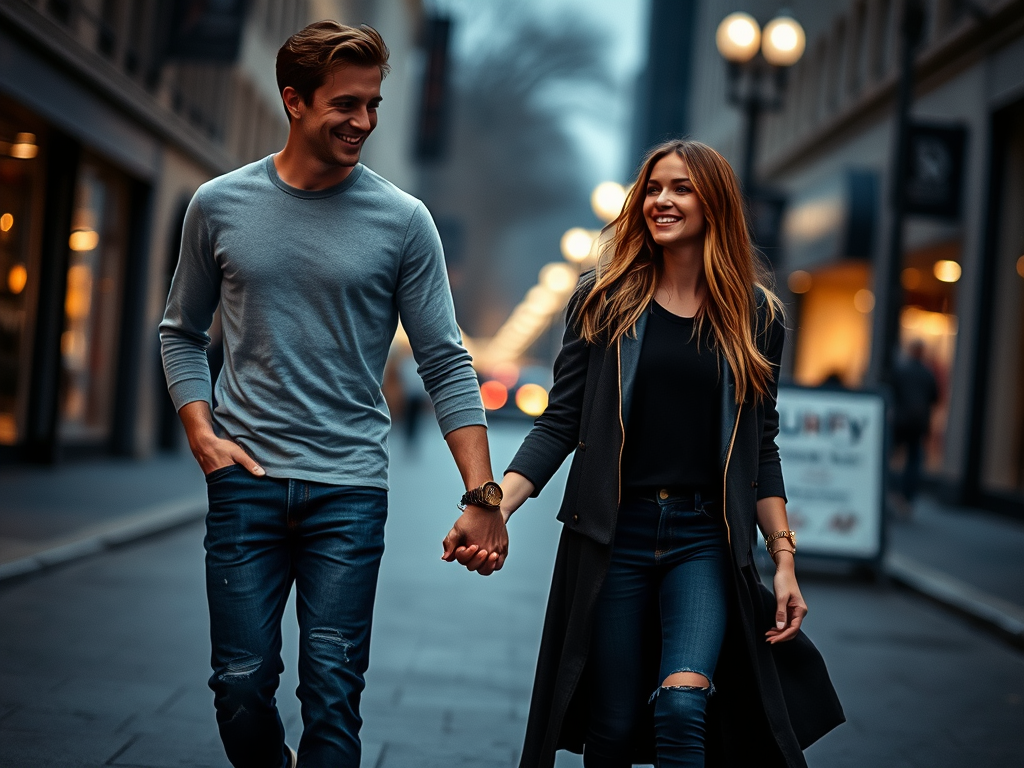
{"x":930,"y":278}
{"x":834,"y":338}
{"x":1003,"y":451}
{"x":92,"y":304}
{"x":20,"y":194}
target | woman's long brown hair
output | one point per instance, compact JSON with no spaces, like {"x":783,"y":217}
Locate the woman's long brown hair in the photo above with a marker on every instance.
{"x":631,"y":265}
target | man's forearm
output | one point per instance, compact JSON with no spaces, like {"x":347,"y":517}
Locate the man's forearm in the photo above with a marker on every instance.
{"x":197,"y":420}
{"x":471,"y":453}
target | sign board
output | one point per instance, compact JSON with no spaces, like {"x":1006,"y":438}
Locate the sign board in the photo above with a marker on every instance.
{"x":832,"y":443}
{"x":935,"y":170}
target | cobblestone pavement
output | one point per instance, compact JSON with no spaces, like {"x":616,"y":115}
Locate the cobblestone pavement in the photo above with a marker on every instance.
{"x":104,"y":661}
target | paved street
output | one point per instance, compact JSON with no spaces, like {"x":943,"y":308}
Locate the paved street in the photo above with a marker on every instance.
{"x":104,"y":661}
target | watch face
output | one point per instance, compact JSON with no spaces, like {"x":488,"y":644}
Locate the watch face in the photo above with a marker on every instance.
{"x":492,"y":494}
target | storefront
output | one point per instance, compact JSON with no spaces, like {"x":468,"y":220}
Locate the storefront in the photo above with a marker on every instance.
{"x":68,"y":220}
{"x":998,"y":448}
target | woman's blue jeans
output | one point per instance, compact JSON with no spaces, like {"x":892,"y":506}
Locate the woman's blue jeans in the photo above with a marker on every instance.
{"x":263,"y":534}
{"x":670,"y":556}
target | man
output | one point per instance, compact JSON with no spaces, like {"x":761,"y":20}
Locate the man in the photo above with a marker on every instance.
{"x":914,"y":394}
{"x":312,"y":258}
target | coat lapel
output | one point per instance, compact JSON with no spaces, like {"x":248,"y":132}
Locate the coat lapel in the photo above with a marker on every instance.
{"x":629,"y":358}
{"x":729,"y":409}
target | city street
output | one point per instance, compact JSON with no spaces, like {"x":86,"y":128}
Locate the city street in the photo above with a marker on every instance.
{"x":104,"y":661}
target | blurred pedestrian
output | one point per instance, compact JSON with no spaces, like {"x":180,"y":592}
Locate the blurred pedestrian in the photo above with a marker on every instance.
{"x":665,"y":388}
{"x":914,"y":394}
{"x":312,"y":257}
{"x":414,"y":399}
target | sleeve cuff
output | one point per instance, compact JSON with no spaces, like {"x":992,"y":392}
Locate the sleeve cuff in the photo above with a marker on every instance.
{"x":189,"y":391}
{"x":467,"y":417}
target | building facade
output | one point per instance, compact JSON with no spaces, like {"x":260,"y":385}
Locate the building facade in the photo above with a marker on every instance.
{"x":112,"y":113}
{"x":828,"y":152}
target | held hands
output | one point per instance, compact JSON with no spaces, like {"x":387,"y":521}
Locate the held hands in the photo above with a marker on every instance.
{"x":478,"y":540}
{"x":790,"y":605}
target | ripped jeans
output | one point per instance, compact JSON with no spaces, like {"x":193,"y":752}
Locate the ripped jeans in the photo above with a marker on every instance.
{"x":670,"y":557}
{"x":263,"y":534}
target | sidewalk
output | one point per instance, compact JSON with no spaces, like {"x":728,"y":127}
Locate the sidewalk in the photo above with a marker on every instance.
{"x":966,"y":559}
{"x":50,"y":515}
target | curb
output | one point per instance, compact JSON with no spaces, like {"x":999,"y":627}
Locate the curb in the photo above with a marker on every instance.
{"x":139,"y":525}
{"x":1003,"y":617}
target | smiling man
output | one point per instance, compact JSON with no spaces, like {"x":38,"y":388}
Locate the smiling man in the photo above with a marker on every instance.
{"x":312,"y":257}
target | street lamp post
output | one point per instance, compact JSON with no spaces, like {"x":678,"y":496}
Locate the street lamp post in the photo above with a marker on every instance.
{"x":757,"y":82}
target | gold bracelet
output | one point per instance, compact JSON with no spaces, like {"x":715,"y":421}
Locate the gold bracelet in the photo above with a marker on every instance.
{"x":781,"y":549}
{"x":773,"y":537}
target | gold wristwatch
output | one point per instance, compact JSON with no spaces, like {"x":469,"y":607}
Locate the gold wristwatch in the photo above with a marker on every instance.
{"x":488,"y":496}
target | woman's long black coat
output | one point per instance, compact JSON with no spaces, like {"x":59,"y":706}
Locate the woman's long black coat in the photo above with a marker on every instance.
{"x":770,"y":701}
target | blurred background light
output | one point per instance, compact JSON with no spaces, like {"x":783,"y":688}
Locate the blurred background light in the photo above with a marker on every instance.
{"x":494,"y":395}
{"x":783,"y":41}
{"x":800,"y":281}
{"x":864,"y":301}
{"x":16,"y":278}
{"x":946,"y":270}
{"x":6,"y":222}
{"x":607,"y":200}
{"x":1020,"y":266}
{"x":532,"y":399}
{"x":24,"y":146}
{"x":83,"y":240}
{"x":576,"y":244}
{"x":910,"y":278}
{"x":738,"y":37}
{"x":558,"y":277}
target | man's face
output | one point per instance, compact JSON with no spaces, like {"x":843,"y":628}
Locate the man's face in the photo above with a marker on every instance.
{"x":340,"y":115}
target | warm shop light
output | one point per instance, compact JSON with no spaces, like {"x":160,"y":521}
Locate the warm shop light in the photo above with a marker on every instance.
{"x":6,"y":222}
{"x":947,"y":271}
{"x":864,"y":301}
{"x":83,"y":240}
{"x":17,"y":278}
{"x":558,"y":277}
{"x":24,"y":146}
{"x":532,"y":399}
{"x":607,"y":200}
{"x":783,"y":41}
{"x":576,"y":244}
{"x":1020,"y":266}
{"x":800,"y":281}
{"x":910,"y":278}
{"x":738,"y":37}
{"x":494,"y":394}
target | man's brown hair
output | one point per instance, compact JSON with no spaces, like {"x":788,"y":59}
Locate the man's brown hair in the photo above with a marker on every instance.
{"x":307,"y":57}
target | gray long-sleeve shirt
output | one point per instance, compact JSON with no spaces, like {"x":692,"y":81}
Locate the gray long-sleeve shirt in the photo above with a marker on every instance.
{"x":311,"y":285}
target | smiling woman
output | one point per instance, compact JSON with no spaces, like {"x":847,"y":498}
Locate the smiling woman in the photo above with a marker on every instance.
{"x":665,"y":391}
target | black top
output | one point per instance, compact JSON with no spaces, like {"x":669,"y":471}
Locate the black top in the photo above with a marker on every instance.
{"x":672,"y":433}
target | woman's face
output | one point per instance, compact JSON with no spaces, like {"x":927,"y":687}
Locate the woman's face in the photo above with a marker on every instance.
{"x":673,"y":213}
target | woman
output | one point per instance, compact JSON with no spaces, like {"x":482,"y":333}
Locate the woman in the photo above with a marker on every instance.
{"x":665,"y":389}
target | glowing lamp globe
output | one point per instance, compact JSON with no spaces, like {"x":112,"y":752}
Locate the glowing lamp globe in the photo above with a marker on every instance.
{"x":738,"y":37}
{"x":783,"y":41}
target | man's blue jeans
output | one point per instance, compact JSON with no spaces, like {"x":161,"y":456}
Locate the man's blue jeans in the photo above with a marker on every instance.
{"x":262,"y":534}
{"x":670,"y":557}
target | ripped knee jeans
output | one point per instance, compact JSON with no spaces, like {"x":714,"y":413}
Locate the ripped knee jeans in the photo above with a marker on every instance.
{"x":670,"y":560}
{"x":262,"y":535}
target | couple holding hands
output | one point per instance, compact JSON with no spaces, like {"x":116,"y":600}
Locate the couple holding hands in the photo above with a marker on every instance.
{"x":660,"y":643}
